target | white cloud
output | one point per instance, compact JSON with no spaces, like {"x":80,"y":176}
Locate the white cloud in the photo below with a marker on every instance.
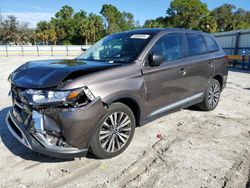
{"x":36,"y":8}
{"x":31,"y":17}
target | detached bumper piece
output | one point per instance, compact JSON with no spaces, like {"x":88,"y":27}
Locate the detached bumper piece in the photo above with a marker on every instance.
{"x":36,"y":140}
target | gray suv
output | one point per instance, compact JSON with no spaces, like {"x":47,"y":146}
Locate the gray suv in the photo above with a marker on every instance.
{"x":65,"y":108}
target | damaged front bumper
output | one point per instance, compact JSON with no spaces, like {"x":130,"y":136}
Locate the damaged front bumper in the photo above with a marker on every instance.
{"x":72,"y":127}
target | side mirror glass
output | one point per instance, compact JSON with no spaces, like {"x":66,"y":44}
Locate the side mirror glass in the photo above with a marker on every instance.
{"x":155,"y":59}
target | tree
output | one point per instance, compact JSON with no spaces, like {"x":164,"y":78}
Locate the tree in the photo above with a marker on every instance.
{"x":63,"y":24}
{"x":87,"y":28}
{"x":80,"y":27}
{"x":1,"y":26}
{"x":190,"y":14}
{"x":208,"y":24}
{"x":157,"y":23}
{"x":229,"y":18}
{"x":46,"y":33}
{"x":12,"y":31}
{"x":68,"y":27}
{"x":224,"y":17}
{"x":186,"y":13}
{"x":111,"y":15}
{"x":126,"y":21}
{"x":247,"y":17}
{"x":9,"y":29}
{"x":115,"y":20}
{"x":95,"y":28}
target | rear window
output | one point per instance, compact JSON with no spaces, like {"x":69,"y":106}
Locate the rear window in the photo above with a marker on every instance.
{"x":211,"y":44}
{"x":196,"y":44}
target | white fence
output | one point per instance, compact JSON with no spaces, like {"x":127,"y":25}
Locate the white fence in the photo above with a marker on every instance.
{"x":232,"y":42}
{"x":40,"y":50}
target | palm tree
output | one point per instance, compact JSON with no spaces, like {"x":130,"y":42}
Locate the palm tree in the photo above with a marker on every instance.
{"x":95,"y":27}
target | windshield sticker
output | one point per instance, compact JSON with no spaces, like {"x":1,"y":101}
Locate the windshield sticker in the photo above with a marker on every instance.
{"x":139,"y":36}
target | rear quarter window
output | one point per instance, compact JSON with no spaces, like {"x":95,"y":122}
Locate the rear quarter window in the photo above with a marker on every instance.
{"x":196,"y":44}
{"x":211,"y":44}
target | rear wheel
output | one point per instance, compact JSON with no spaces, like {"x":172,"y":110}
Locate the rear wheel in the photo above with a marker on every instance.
{"x":212,"y":96}
{"x":114,"y":133}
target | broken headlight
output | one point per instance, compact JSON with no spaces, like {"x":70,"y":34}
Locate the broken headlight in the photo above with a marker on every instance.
{"x":43,"y":97}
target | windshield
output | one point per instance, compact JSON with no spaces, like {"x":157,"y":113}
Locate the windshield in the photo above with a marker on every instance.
{"x":122,"y":47}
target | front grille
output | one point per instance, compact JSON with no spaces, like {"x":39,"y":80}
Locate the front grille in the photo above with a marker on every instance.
{"x":16,"y":90}
{"x":17,"y":94}
{"x":20,"y":105}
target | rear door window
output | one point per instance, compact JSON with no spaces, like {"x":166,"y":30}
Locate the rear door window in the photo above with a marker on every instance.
{"x":169,"y":46}
{"x":211,"y":44}
{"x":196,"y":44}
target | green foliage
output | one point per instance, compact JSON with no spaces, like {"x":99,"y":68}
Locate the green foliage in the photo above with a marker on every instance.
{"x":66,"y":42}
{"x":63,"y":23}
{"x":186,"y":13}
{"x":112,"y":17}
{"x":193,"y":14}
{"x":46,"y":33}
{"x":189,"y":14}
{"x":95,"y":28}
{"x":15,"y":32}
{"x":157,"y":23}
{"x":229,"y":18}
{"x":70,"y":27}
{"x":208,"y":24}
{"x":115,"y":20}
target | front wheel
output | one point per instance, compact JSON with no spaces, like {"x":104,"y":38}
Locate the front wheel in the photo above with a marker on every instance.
{"x":114,"y":133}
{"x":212,"y":96}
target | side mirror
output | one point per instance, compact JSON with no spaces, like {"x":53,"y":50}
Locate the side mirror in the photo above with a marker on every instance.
{"x":155,"y":59}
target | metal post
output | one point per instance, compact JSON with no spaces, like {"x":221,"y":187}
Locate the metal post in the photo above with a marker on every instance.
{"x":37,"y":49}
{"x":243,"y":58}
{"x":67,"y":49}
{"x":52,"y":51}
{"x":249,"y":60}
{"x":6,"y":48}
{"x":237,"y":39}
{"x":22,"y":50}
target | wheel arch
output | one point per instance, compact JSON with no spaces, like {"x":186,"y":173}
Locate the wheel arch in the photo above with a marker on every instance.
{"x":132,"y":103}
{"x":219,"y":78}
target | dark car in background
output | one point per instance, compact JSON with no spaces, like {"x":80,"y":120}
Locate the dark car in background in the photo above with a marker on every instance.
{"x":65,"y":108}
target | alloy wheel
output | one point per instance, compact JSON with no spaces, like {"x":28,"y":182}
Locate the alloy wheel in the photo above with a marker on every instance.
{"x":213,"y":95}
{"x":115,"y":131}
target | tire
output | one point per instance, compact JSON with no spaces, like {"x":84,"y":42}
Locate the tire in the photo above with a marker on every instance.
{"x":212,"y":96}
{"x":114,"y":132}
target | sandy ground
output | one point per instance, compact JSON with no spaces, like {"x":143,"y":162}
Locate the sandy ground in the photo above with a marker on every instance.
{"x":197,"y":149}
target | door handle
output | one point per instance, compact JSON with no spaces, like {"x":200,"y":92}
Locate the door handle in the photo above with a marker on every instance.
{"x":211,"y":64}
{"x":183,"y":71}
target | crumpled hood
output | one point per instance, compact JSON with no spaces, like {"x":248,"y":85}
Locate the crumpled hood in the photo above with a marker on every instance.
{"x":50,"y":73}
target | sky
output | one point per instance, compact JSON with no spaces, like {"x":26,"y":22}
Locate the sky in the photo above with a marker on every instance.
{"x":33,"y":11}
